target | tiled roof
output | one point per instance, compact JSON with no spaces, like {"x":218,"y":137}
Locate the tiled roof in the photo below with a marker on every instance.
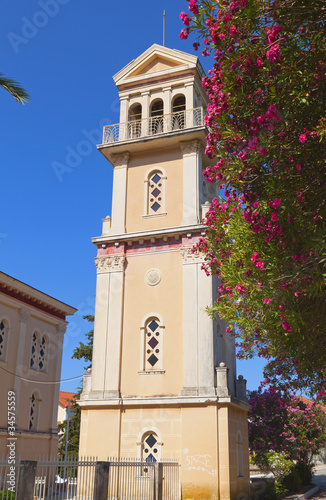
{"x":63,"y":398}
{"x":309,"y":402}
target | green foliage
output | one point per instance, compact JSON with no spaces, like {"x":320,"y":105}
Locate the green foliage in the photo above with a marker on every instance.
{"x":14,"y":89}
{"x":284,"y":436}
{"x":7,"y":495}
{"x":74,"y":429}
{"x":84,"y":351}
{"x":265,"y":236}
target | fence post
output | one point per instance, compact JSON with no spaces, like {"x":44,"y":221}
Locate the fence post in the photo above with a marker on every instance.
{"x":158,"y":484}
{"x":26,"y":480}
{"x":101,"y":484}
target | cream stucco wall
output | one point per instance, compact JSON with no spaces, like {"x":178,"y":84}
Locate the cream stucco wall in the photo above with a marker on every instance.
{"x":139,"y":167}
{"x":142,"y":301}
{"x":18,"y":377}
{"x":203,"y":438}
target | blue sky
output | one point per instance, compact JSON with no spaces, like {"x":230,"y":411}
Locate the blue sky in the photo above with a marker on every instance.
{"x":64,"y":53}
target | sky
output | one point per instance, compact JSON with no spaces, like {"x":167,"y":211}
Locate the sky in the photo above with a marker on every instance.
{"x":56,"y":186}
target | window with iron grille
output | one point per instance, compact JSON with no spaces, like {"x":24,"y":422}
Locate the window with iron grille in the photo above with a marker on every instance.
{"x":4,"y":331}
{"x":33,"y":411}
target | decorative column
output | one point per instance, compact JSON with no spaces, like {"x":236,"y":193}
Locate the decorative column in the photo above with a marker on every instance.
{"x":198,"y":327}
{"x":124,"y":117}
{"x":167,"y":108}
{"x":108,"y":327}
{"x":24,"y":315}
{"x":120,"y":163}
{"x":145,"y":99}
{"x":191,"y":171}
{"x":190,"y":103}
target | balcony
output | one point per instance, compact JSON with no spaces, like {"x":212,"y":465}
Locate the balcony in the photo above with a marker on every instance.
{"x":153,"y":126}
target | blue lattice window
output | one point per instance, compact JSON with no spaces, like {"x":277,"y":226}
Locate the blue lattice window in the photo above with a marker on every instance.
{"x":150,"y":447}
{"x":155,"y":195}
{"x":152,"y":345}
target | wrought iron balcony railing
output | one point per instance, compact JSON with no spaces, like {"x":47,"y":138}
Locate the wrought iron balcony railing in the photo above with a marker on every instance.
{"x":154,"y":125}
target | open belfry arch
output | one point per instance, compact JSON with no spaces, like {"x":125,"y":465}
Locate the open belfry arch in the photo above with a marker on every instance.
{"x":163,"y":381}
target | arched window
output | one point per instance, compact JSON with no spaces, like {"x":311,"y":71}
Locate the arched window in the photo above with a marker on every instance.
{"x":155,"y":186}
{"x":4,"y":332}
{"x":35,"y":351}
{"x":152,"y":345}
{"x":150,"y":447}
{"x":239,"y":454}
{"x":178,"y":110}
{"x":134,"y":123}
{"x":156,"y":117}
{"x":34,"y":411}
{"x":42,"y":359}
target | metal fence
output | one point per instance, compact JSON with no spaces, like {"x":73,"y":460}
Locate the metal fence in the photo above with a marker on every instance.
{"x":86,"y":479}
{"x":153,"y":125}
{"x":136,"y":479}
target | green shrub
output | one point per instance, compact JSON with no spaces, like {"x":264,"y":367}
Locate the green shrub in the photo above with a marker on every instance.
{"x":7,"y":495}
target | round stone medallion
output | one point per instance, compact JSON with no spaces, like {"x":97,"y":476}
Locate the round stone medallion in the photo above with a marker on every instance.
{"x":153,"y":277}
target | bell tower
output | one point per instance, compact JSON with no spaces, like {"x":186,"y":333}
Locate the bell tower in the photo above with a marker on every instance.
{"x":163,"y":382}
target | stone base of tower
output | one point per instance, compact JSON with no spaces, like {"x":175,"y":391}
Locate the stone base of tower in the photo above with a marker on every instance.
{"x":209,"y":440}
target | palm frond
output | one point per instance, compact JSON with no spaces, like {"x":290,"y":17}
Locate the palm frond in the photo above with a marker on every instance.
{"x":14,"y":89}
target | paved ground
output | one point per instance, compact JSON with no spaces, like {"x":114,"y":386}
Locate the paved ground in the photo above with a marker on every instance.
{"x":320,"y":479}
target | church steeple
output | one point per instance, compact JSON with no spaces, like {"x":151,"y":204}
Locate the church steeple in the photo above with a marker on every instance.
{"x":159,"y":361}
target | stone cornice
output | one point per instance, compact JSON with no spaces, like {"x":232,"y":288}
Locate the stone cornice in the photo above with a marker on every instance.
{"x":169,"y":231}
{"x":29,"y":296}
{"x":160,"y":401}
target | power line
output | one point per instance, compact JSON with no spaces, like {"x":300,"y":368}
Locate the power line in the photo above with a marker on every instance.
{"x":39,"y":381}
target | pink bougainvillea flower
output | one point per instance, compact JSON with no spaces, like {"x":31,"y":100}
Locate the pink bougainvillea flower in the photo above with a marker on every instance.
{"x":267,"y":301}
{"x":303,"y":138}
{"x":274,"y":217}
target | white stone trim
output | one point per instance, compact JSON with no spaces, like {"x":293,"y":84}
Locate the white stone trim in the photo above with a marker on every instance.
{"x":110,"y":263}
{"x":161,"y":328}
{"x":190,"y":257}
{"x":146,"y":192}
{"x":146,"y":430}
{"x":168,"y":231}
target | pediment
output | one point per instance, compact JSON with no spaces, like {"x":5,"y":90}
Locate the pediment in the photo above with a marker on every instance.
{"x":156,"y":63}
{"x":155,"y":60}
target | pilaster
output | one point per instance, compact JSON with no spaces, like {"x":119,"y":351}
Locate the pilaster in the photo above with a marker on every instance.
{"x":120,"y":163}
{"x":108,"y":326}
{"x":167,"y":107}
{"x":198,"y":333}
{"x":192,"y":161}
{"x":24,"y":315}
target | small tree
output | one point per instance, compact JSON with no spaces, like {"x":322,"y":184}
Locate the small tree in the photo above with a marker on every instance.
{"x":83,"y":351}
{"x":288,"y":426}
